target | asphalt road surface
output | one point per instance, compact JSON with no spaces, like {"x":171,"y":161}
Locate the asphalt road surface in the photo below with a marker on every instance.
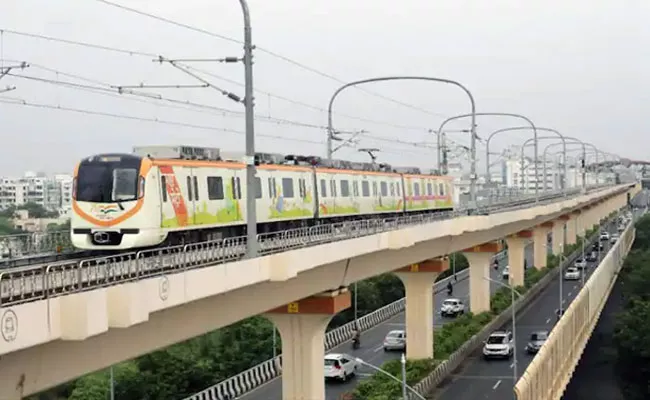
{"x":481,"y":379}
{"x":372,"y":350}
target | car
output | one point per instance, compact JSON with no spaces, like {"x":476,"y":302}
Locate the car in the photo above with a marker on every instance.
{"x":580,"y":263}
{"x":592,"y":256}
{"x":395,"y":340}
{"x":572,"y":274}
{"x":598,"y":246}
{"x":536,"y":342}
{"x":498,"y":345}
{"x":452,"y":308}
{"x":614,"y":238}
{"x":339,"y":366}
{"x":505,"y":274}
{"x":604,"y":236}
{"x":621,"y":228}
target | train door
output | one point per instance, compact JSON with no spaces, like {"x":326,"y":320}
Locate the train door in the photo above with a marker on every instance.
{"x":334,"y":190}
{"x":192,"y":190}
{"x":354,"y":192}
{"x":375,"y":192}
{"x":234,"y":195}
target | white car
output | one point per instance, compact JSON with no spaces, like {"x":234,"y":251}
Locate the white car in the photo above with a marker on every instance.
{"x":339,"y":366}
{"x":505,"y":274}
{"x":621,"y":228}
{"x":499,"y":345}
{"x":572,"y":274}
{"x":614,"y":238}
{"x":604,"y":236}
{"x":395,"y":340}
{"x":452,"y":308}
{"x":580,"y":263}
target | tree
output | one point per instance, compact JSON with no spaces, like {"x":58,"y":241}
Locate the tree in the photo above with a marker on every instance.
{"x":632,"y":331}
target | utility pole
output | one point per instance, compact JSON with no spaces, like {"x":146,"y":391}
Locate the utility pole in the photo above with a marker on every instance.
{"x":444,"y":150}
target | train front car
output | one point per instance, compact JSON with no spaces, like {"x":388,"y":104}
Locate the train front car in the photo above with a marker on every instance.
{"x":115,"y":205}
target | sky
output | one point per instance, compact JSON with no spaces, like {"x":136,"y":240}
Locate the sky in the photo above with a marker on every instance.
{"x":577,"y":66}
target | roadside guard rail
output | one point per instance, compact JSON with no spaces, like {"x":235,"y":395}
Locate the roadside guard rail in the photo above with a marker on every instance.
{"x":27,"y":284}
{"x":550,"y":371}
{"x":271,"y":369}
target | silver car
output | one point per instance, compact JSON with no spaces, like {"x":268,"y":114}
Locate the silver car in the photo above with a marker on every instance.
{"x":395,"y":340}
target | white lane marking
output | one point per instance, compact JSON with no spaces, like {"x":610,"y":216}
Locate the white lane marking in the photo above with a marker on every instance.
{"x":548,"y":320}
{"x":575,"y":286}
{"x":512,"y":365}
{"x":378,"y":349}
{"x":570,"y":293}
{"x":563,"y":301}
{"x":496,"y":385}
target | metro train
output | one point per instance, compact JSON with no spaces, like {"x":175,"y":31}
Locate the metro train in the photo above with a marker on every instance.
{"x":166,"y":195}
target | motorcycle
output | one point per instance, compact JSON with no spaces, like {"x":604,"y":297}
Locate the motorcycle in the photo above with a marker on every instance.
{"x":450,"y":290}
{"x":356,"y":343}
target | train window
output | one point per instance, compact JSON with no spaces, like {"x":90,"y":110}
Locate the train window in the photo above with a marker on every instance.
{"x":333,"y":188}
{"x":416,"y":189}
{"x":345,"y":188}
{"x":429,"y":189}
{"x":258,"y":188}
{"x":355,"y":189}
{"x":365,"y":189}
{"x":287,"y":188}
{"x":392,"y":189}
{"x":374,"y":189}
{"x":163,"y":186}
{"x":442,"y":189}
{"x":384,"y":188}
{"x":323,"y":188}
{"x":215,"y":188}
{"x":189,"y":188}
{"x":399,"y":191}
{"x":196,"y":188}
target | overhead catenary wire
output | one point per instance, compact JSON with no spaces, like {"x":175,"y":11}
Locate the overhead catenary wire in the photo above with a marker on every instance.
{"x":264,"y":50}
{"x":132,"y":52}
{"x":27,"y":103}
{"x":104,"y":88}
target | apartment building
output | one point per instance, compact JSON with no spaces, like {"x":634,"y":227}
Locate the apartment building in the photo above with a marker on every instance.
{"x":53,"y":193}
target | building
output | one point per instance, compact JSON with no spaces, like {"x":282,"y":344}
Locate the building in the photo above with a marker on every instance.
{"x":54,"y":194}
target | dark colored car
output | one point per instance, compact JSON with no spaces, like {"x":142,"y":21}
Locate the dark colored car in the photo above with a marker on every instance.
{"x":536,"y":342}
{"x":592,"y":256}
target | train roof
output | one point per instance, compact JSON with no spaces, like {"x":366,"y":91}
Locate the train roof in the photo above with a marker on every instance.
{"x":196,"y":153}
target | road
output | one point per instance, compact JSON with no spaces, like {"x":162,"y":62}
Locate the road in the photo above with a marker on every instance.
{"x":480,"y":379}
{"x":371,"y":350}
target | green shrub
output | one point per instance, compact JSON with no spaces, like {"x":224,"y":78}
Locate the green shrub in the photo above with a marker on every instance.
{"x":381,"y":387}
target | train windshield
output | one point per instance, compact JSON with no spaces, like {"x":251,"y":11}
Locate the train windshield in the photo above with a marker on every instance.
{"x":108,"y":179}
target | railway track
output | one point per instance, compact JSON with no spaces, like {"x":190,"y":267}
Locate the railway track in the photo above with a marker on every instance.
{"x":30,"y":283}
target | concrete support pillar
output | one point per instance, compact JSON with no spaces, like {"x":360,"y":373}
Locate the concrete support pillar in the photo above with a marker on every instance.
{"x":516,"y":254}
{"x":571,"y":229}
{"x":418,"y":282}
{"x":302,"y":327}
{"x":558,"y":235}
{"x":479,"y":258}
{"x":540,"y":244}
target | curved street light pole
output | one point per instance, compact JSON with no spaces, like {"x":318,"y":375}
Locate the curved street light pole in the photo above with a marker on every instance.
{"x":496,"y":114}
{"x":519,"y":128}
{"x":249,"y":103}
{"x":564,"y":143}
{"x":330,"y":128}
{"x":584,"y":155}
